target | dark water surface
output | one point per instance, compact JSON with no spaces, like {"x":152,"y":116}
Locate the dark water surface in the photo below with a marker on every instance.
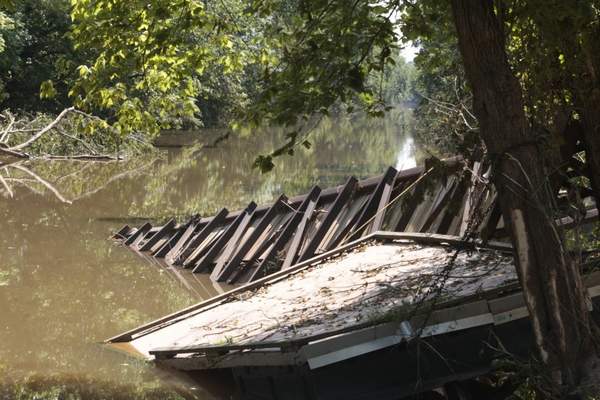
{"x":64,"y":287}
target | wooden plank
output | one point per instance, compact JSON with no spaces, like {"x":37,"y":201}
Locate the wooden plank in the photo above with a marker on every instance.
{"x":292,"y":252}
{"x":164,"y":230}
{"x":168,"y":245}
{"x":239,"y":251}
{"x":195,"y":241}
{"x":407,"y":208}
{"x":488,"y":230}
{"x":231,"y":246}
{"x":193,"y":226}
{"x":343,"y":234}
{"x":381,"y":207}
{"x":292,"y":225}
{"x":122,"y":233}
{"x":203,"y":248}
{"x":218,"y":245}
{"x":138,"y":235}
{"x":333,"y":212}
{"x":439,"y":205}
{"x":466,"y":217}
{"x":372,"y":205}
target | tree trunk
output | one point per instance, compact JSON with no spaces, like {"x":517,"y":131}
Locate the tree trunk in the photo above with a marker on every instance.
{"x":551,"y":281}
{"x":590,"y":101}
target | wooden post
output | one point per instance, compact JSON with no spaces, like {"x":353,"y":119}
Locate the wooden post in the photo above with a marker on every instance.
{"x":335,"y":209}
{"x":223,"y":239}
{"x":195,"y":241}
{"x":292,"y":225}
{"x":227,"y":266}
{"x":164,"y":230}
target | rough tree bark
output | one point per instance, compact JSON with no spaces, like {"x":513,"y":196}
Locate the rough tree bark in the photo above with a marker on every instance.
{"x":590,"y":102}
{"x":551,"y":281}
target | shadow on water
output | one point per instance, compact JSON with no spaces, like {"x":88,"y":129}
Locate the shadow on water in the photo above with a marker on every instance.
{"x":64,"y":287}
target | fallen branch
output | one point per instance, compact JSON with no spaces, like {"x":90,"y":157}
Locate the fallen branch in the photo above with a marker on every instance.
{"x":48,"y":127}
{"x":86,"y":157}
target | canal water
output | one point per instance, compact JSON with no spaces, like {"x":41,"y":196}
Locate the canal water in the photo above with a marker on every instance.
{"x":65,"y":287}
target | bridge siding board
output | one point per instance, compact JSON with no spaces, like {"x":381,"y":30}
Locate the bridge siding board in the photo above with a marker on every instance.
{"x":158,"y":235}
{"x":138,"y":234}
{"x":232,"y":240}
{"x":371,"y":206}
{"x":241,"y":250}
{"x":192,"y":227}
{"x":292,"y":252}
{"x":333,"y":212}
{"x":197,"y":239}
{"x":292,"y":225}
{"x":218,"y":245}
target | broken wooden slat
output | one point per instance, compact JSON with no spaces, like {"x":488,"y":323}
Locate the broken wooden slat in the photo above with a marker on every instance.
{"x":164,"y":230}
{"x":439,"y":205}
{"x":292,"y":252}
{"x":138,"y":235}
{"x":490,"y":225}
{"x":228,"y":266}
{"x":193,"y":226}
{"x":466,"y":218}
{"x":168,"y":245}
{"x":218,"y":245}
{"x":292,"y":225}
{"x":381,"y":207}
{"x":335,"y":209}
{"x":195,"y":241}
{"x":122,"y":233}
{"x":407,"y":208}
{"x":343,"y":234}
{"x":203,"y":247}
{"x":372,"y":204}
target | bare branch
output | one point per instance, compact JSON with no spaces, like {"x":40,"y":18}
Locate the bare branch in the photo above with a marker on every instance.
{"x":43,"y":131}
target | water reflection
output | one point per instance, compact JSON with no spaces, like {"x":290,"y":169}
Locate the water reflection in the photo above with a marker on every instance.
{"x":64,"y":287}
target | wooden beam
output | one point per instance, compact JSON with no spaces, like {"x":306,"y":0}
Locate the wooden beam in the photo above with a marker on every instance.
{"x":168,"y":245}
{"x":218,"y":245}
{"x":227,"y":266}
{"x":122,"y":233}
{"x":343,"y":234}
{"x":333,"y":212}
{"x":466,"y":217}
{"x":291,"y":226}
{"x":372,"y":205}
{"x":444,"y":196}
{"x":138,"y":235}
{"x":162,"y":232}
{"x":381,"y":207}
{"x":407,"y":208}
{"x":197,"y":240}
{"x":291,"y":256}
{"x":193,"y":226}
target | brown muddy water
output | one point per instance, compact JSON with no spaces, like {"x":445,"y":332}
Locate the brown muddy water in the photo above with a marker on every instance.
{"x":65,"y":287}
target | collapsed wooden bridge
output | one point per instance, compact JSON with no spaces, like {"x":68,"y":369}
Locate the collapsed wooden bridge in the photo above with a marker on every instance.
{"x":242,"y":246}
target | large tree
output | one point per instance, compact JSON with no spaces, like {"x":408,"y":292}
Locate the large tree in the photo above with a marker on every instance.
{"x":551,"y":281}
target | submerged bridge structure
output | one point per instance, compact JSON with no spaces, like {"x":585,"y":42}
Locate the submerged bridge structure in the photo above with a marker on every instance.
{"x":244,"y":245}
{"x":364,"y":290}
